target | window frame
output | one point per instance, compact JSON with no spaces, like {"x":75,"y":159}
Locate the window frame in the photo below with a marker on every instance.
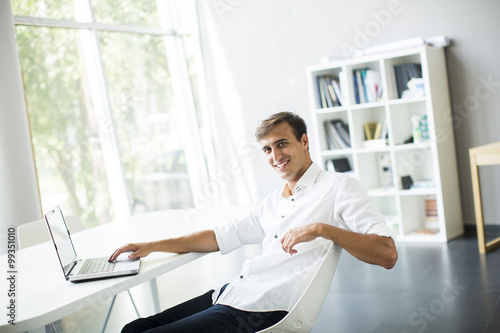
{"x":197,"y":132}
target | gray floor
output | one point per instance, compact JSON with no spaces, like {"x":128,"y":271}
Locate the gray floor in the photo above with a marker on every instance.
{"x":433,"y":288}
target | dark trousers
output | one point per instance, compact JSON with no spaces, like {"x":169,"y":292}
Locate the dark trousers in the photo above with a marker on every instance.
{"x":199,"y":315}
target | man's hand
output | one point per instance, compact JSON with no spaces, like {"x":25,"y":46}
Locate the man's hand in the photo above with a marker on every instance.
{"x":298,"y":235}
{"x":139,"y":250}
{"x":370,"y":248}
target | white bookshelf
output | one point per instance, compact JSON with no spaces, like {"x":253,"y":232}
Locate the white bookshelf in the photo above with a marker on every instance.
{"x":431,"y":162}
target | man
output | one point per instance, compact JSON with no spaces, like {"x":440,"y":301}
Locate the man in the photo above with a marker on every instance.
{"x":296,"y":226}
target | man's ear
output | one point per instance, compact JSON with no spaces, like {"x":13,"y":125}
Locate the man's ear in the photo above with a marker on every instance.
{"x":305,"y":141}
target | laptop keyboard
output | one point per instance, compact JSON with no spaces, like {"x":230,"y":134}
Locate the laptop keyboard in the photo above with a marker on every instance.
{"x":96,"y":265}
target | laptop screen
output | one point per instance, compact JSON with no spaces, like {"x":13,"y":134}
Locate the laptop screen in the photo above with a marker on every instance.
{"x":60,"y":236}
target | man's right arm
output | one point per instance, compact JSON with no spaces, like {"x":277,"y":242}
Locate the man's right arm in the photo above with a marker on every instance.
{"x":201,"y":241}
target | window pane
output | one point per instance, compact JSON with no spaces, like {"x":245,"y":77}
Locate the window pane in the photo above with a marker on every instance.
{"x":64,"y":130}
{"x":53,"y":9}
{"x":146,"y":121}
{"x":142,"y":13}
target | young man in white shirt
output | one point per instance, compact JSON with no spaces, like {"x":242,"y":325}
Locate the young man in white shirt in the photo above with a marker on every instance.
{"x":295,"y":225}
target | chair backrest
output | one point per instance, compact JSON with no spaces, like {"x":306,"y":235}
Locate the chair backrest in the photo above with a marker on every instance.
{"x":304,"y":314}
{"x":36,"y":232}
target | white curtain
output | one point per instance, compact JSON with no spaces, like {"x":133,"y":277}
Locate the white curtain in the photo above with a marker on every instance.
{"x":19,"y":197}
{"x":232,"y":180}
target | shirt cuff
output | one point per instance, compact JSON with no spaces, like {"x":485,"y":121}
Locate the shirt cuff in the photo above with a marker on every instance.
{"x":226,"y":238}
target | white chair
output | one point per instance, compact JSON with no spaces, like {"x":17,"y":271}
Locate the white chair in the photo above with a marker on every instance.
{"x":36,"y":232}
{"x":303,"y":315}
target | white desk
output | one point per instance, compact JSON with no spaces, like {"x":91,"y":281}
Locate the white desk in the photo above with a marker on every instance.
{"x":43,"y":294}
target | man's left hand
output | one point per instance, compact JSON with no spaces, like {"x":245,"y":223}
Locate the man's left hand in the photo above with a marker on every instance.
{"x":298,"y":235}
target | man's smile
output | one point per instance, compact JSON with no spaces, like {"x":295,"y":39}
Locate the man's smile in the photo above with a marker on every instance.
{"x":281,"y":165}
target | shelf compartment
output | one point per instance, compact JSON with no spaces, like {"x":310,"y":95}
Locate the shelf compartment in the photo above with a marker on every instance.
{"x":379,"y":175}
{"x":416,"y":163}
{"x":364,"y":79}
{"x":328,"y":88}
{"x":424,"y":219}
{"x":326,"y":143}
{"x":389,"y":65}
{"x":360,"y":117}
{"x":400,"y":119}
{"x":339,"y":163}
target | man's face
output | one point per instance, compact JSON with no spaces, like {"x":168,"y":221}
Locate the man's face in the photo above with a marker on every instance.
{"x":288,"y":156}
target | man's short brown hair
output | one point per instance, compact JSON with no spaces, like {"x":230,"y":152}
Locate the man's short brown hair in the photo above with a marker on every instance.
{"x":297,"y":124}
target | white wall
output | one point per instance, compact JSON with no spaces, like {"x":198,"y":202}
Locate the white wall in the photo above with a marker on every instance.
{"x":266,"y":45}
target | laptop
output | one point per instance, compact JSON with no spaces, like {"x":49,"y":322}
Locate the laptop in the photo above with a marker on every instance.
{"x":76,"y":269}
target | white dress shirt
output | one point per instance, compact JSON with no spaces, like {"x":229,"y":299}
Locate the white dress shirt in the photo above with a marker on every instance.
{"x":275,"y":280}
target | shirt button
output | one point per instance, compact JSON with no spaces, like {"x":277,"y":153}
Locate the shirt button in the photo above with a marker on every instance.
{"x":282,"y":216}
{"x":293,"y":199}
{"x":241,"y":276}
{"x":275,"y":236}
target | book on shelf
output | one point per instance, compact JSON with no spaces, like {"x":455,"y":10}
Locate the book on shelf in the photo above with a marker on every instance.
{"x":404,"y":73}
{"x":370,"y":129}
{"x":378,"y":131}
{"x":338,"y":91}
{"x":356,"y":88}
{"x":329,"y":92}
{"x":375,"y":134}
{"x":343,"y":131}
{"x":373,"y":85}
{"x":424,"y":231}
{"x":337,"y":134}
{"x":375,"y":130}
{"x":361,"y":86}
{"x":321,"y":93}
{"x":334,"y":101}
{"x":343,"y":87}
{"x":367,"y":85}
{"x":431,"y":213}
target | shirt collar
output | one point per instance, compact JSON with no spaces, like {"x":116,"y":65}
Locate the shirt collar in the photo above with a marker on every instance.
{"x":307,"y":180}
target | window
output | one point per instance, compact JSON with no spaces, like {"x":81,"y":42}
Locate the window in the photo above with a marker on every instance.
{"x":112,"y":92}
